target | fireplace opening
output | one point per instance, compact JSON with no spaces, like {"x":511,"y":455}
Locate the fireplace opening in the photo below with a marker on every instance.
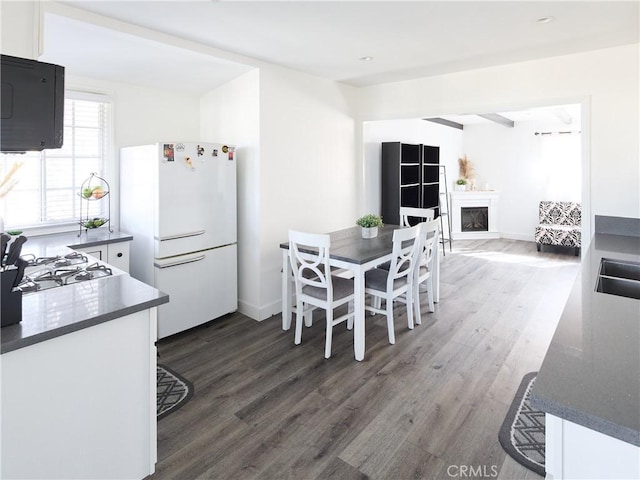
{"x":474,"y":219}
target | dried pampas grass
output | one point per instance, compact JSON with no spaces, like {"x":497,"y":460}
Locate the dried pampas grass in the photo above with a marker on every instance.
{"x":466,"y":168}
{"x":8,"y":182}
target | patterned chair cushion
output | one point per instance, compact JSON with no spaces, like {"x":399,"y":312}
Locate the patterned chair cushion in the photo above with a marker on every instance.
{"x":559,"y":224}
{"x":560,"y":213}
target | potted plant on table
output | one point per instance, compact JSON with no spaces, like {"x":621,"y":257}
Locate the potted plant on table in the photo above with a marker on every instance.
{"x":369,"y":224}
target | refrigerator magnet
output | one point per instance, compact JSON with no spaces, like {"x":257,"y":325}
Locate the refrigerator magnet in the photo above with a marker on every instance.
{"x":179,"y":147}
{"x":225,"y":149}
{"x":200,"y":150}
{"x":231,"y":150}
{"x":214,"y":153}
{"x":167,"y":152}
{"x":189,"y":163}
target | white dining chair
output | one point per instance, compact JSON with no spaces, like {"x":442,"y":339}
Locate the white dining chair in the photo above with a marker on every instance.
{"x":423,"y":214}
{"x":423,"y":274}
{"x":308,"y":309}
{"x":315,"y":286}
{"x":389,"y":285}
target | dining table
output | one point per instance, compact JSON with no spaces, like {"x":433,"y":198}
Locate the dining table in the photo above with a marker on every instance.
{"x":350,"y":252}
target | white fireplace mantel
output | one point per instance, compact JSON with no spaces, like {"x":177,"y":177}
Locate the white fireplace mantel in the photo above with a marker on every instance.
{"x":473,"y":199}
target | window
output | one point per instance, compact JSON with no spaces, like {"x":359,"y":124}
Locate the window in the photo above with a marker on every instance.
{"x":561,"y":159}
{"x":42,"y":188}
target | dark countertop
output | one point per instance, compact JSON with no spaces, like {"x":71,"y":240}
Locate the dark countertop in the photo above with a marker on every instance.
{"x":591,"y":373}
{"x":59,"y":311}
{"x":59,"y":243}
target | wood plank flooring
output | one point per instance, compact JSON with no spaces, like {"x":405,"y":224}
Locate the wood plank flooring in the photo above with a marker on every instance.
{"x":424,"y":408}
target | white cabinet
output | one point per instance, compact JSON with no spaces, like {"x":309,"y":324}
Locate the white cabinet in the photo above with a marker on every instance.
{"x":118,"y":255}
{"x":82,"y":405}
{"x":97,"y":251}
{"x":115,"y":254}
{"x":577,"y":452}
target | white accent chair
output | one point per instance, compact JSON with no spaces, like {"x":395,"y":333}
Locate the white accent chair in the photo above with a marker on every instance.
{"x":390,"y":284}
{"x":424,"y":270}
{"x":315,"y":286}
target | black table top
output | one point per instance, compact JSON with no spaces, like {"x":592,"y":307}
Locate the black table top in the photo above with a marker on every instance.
{"x":348,"y":245}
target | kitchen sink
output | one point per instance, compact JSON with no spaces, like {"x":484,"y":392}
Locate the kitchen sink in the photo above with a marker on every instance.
{"x":619,"y":277}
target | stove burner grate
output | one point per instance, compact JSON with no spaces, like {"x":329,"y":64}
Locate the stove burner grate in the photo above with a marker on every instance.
{"x":28,"y":286}
{"x":74,"y":258}
{"x":60,"y":271}
{"x":97,"y":267}
{"x":34,"y":262}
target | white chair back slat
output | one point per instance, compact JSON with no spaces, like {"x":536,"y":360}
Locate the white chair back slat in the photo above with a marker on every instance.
{"x":425,"y":214}
{"x":431,"y":235}
{"x":310,"y":269}
{"x":404,"y":257}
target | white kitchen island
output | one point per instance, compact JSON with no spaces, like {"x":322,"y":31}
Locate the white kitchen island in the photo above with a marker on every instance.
{"x":78,"y":376}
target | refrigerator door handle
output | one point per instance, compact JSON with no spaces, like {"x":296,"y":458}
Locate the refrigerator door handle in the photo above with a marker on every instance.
{"x":181,"y":235}
{"x":175,"y":264}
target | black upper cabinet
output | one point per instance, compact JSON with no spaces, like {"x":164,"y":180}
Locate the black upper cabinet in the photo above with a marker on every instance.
{"x":410,"y":178}
{"x":31,"y":106}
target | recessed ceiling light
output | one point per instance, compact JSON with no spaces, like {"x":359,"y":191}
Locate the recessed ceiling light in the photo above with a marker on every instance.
{"x":365,"y":59}
{"x":545,"y":19}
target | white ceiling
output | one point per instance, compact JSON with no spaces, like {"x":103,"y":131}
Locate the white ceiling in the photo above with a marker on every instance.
{"x":89,"y":50}
{"x":406,"y":39}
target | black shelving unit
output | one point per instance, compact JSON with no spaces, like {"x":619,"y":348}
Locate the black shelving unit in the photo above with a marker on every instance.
{"x":410,"y":178}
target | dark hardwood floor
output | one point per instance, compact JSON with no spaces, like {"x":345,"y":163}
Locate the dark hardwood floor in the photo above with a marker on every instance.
{"x":424,"y":408}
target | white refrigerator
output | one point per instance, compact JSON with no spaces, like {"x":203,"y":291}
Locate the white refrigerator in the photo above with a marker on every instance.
{"x":178,"y":200}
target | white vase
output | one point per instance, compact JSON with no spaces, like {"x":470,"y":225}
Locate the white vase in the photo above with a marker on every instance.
{"x":369,"y":232}
{"x":461,"y":188}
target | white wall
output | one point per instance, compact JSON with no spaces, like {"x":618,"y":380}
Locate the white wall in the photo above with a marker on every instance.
{"x":231,"y":114}
{"x":19,"y":28}
{"x":515,"y":162}
{"x":606,"y":80}
{"x":141,"y":115}
{"x":297,"y":168}
{"x":414,"y":131}
{"x":308,"y":165}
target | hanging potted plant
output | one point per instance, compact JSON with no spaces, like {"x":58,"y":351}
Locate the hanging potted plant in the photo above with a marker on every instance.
{"x":369,"y":225}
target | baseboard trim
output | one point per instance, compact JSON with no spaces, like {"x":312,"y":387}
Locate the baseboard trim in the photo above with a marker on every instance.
{"x":257,"y":313}
{"x":474,"y":235}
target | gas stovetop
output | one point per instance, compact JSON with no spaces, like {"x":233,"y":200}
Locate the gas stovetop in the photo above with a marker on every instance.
{"x":43,"y":273}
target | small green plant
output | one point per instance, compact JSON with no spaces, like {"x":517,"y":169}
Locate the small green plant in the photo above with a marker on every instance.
{"x":370,"y":220}
{"x":461,"y":181}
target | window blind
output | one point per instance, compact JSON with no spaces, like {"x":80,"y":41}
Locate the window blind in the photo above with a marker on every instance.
{"x":43,"y":190}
